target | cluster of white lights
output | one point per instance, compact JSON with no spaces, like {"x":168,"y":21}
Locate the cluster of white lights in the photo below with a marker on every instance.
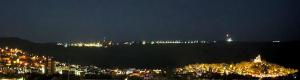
{"x":176,"y":42}
{"x":93,"y":44}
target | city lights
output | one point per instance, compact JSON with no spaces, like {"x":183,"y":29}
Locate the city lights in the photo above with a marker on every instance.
{"x":256,"y":68}
{"x":18,"y":61}
{"x":103,"y":44}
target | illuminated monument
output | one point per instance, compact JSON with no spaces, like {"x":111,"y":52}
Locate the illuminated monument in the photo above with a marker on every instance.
{"x":257,"y":59}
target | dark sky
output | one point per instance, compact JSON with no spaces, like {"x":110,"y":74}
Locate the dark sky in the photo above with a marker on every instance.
{"x":63,"y":20}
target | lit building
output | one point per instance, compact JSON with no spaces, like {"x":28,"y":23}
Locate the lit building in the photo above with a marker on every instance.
{"x":257,"y":59}
{"x":50,"y":66}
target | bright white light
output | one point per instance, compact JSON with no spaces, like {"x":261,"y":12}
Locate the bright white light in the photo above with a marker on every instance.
{"x":229,"y":40}
{"x":275,"y":41}
{"x":144,"y":42}
{"x":66,"y":45}
{"x":152,"y":42}
{"x":215,"y":41}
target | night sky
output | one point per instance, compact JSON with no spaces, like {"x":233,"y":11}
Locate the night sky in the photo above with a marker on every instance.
{"x":89,"y":20}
